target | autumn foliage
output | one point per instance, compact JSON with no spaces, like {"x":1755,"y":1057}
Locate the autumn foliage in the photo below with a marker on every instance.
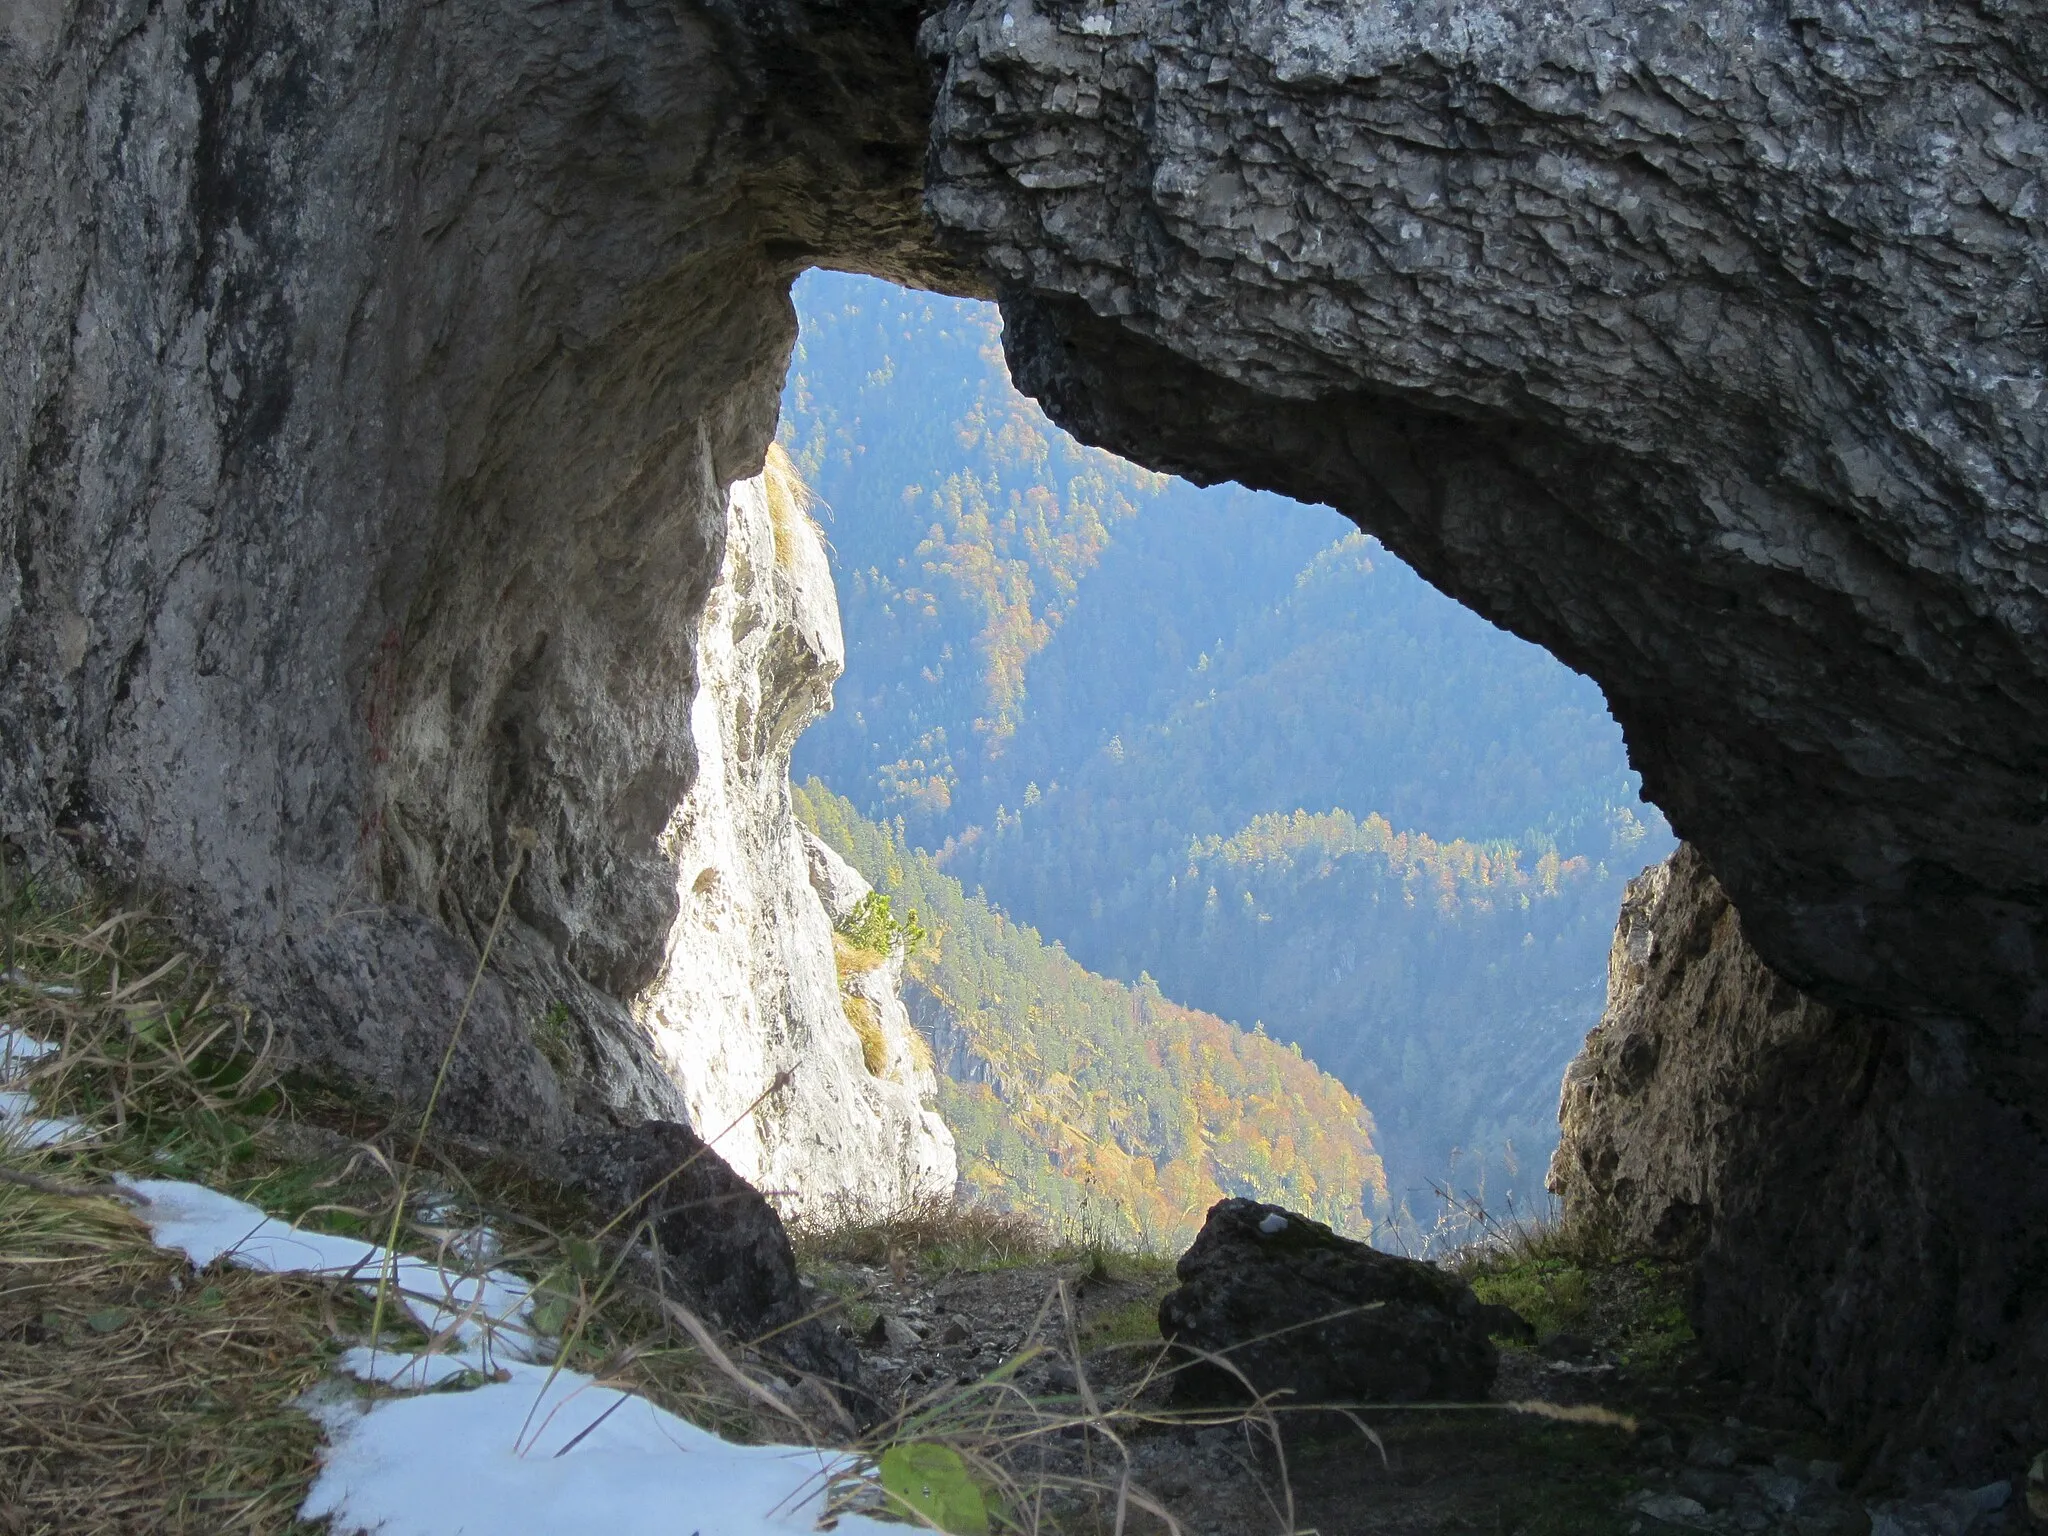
{"x":1101,"y":1107}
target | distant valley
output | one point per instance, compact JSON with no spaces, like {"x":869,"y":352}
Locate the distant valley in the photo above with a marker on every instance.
{"x":1218,"y":746}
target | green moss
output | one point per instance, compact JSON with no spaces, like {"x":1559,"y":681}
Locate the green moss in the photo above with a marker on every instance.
{"x":1134,"y":1322}
{"x":1551,"y":1293}
{"x":555,"y":1035}
{"x":1634,"y":1307}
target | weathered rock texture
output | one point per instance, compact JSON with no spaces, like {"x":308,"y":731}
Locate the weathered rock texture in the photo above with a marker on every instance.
{"x":1704,"y":346}
{"x":374,"y":377}
{"x":1868,"y":1215}
{"x":746,"y":1016}
{"x":1298,"y":1310}
{"x":1708,"y":347}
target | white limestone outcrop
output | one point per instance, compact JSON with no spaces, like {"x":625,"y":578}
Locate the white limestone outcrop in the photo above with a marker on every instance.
{"x":749,"y":990}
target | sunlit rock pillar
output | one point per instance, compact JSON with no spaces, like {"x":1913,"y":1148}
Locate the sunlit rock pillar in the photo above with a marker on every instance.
{"x":746,"y":1015}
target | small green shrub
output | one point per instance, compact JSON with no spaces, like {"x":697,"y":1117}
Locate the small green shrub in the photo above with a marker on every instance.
{"x":1551,"y":1293}
{"x":872,"y":926}
{"x":555,"y":1035}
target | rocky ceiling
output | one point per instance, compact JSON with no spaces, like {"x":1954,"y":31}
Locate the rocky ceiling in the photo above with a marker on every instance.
{"x":1707,"y":346}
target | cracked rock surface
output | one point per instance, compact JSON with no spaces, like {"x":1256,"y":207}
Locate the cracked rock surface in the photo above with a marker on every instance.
{"x":1703,"y":345}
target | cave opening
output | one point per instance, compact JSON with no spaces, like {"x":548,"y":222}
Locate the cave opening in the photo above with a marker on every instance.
{"x":358,"y":524}
{"x":1212,"y":749}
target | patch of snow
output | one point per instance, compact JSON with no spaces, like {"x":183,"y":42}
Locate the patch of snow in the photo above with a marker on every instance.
{"x":409,"y":1373}
{"x":20,"y":1124}
{"x":476,"y":1314}
{"x":1273,"y":1224}
{"x":17,"y":1050}
{"x":532,"y":1452}
{"x":531,"y":1456}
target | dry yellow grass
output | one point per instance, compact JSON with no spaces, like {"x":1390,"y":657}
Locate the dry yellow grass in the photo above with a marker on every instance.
{"x":853,"y":960}
{"x":942,"y":1234}
{"x":789,"y":503}
{"x":135,"y":1397}
{"x":874,"y":1049}
{"x":138,"y":1397}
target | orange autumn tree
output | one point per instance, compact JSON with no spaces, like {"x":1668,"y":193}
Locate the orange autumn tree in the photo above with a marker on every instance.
{"x":1104,"y":1108}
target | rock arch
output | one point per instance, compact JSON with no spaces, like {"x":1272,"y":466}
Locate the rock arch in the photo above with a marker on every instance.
{"x":374,"y":380}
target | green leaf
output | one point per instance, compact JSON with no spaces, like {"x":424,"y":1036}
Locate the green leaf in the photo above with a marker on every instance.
{"x":107,"y":1321}
{"x":932,"y":1482}
{"x":553,"y":1305}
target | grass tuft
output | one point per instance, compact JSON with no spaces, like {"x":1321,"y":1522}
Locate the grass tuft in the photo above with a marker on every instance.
{"x":1568,"y":1278}
{"x":935,"y":1233}
{"x":137,"y":1397}
{"x":789,"y":504}
{"x":867,"y":1025}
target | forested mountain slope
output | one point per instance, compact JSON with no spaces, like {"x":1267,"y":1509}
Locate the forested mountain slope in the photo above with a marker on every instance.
{"x":1102,"y":1107}
{"x":1084,"y":685}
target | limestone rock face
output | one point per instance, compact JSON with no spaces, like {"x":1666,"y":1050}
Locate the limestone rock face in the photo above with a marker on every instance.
{"x":1866,"y":1200}
{"x":840,"y":886}
{"x":373,"y":379}
{"x":745,"y":1015}
{"x":1703,"y":346}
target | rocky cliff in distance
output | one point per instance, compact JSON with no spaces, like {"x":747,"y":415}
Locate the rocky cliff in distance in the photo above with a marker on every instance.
{"x":373,"y":382}
{"x":1821,"y":1169}
{"x":745,"y":1016}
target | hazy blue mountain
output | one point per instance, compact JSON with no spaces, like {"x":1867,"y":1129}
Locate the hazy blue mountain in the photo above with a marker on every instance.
{"x":1091,"y":690}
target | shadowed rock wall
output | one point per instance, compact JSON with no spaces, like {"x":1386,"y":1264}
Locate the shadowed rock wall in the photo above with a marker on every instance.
{"x":1865,"y":1200}
{"x":373,"y":379}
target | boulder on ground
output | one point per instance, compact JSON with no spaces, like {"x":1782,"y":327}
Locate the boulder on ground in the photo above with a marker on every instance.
{"x":1298,"y":1309}
{"x":722,"y":1248}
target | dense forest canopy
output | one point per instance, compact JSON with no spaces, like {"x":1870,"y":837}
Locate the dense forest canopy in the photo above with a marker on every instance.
{"x":1212,"y":738}
{"x":1100,"y":1107}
